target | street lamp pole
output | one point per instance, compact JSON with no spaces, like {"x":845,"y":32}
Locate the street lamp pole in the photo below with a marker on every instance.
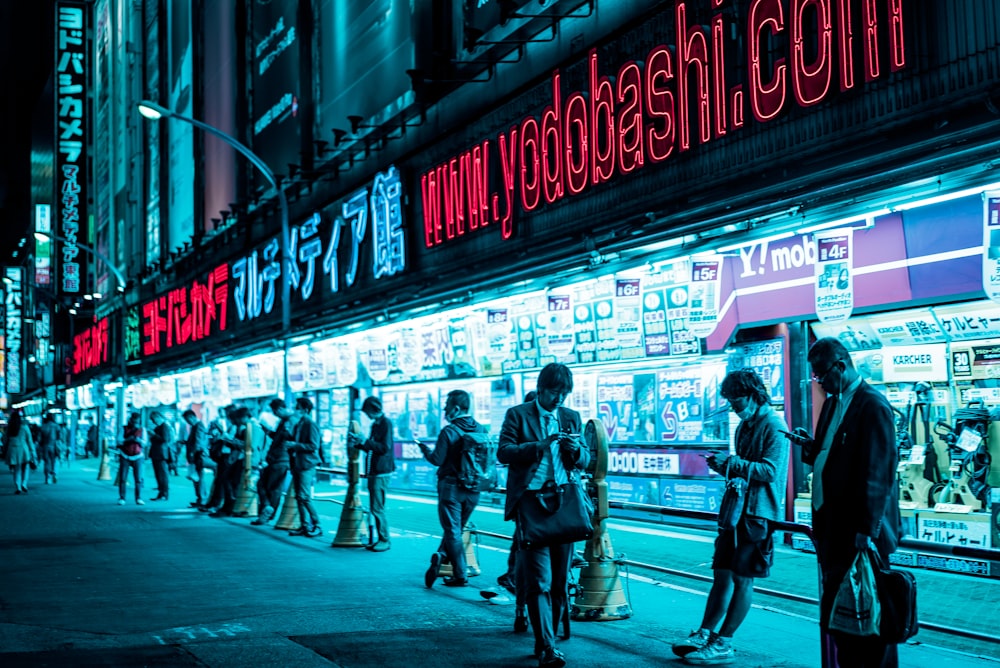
{"x":153,"y":111}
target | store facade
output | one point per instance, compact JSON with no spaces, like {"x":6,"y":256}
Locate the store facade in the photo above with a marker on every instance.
{"x":706,"y":190}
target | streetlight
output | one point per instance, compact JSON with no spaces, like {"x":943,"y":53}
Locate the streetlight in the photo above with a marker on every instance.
{"x":155,"y":112}
{"x":47,"y":236}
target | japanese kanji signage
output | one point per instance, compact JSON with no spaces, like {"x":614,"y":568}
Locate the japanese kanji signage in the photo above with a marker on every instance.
{"x":71,"y":140}
{"x":991,"y":244}
{"x":13,"y":314}
{"x":186,"y":314}
{"x":834,"y":287}
{"x":90,"y":347}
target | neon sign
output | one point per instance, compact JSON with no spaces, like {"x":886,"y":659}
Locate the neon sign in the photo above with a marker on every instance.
{"x":186,"y":314}
{"x":676,"y":96}
{"x":71,"y":139}
{"x":257,"y":274}
{"x":90,"y":347}
{"x":12,"y":327}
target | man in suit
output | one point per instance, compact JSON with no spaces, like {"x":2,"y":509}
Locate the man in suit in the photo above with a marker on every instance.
{"x":540,"y":441}
{"x":303,"y":454}
{"x":161,"y":449}
{"x":855,"y":493}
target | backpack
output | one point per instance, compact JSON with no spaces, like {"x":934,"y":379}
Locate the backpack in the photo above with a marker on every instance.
{"x":477,"y":471}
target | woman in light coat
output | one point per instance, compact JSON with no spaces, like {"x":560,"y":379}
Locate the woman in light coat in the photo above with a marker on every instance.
{"x":20,"y":451}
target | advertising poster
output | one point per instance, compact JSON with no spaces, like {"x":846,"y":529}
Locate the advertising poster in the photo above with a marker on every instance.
{"x":408,"y":358}
{"x":991,"y":244}
{"x":559,"y":334}
{"x":435,"y":346}
{"x":627,"y":489}
{"x":700,"y":495}
{"x":527,"y":340}
{"x":767,"y":358}
{"x":703,"y":300}
{"x":462,"y":358}
{"x":966,"y":322}
{"x":317,"y":367}
{"x":679,"y":414}
{"x":608,"y":349}
{"x":656,"y":334}
{"x":298,"y":369}
{"x":834,"y":285}
{"x":375,"y":357}
{"x":628,"y":316}
{"x":585,"y":332}
{"x":616,"y":406}
{"x":498,"y":336}
{"x":644,"y":391}
{"x":184,"y":394}
{"x":682,"y":339}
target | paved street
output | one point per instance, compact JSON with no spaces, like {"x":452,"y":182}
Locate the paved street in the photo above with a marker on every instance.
{"x":88,"y":583}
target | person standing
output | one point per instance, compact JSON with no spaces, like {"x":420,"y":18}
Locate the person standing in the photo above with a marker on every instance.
{"x":220,"y":442}
{"x":20,"y":448}
{"x":48,"y":443}
{"x":455,"y":503}
{"x":161,"y":452}
{"x":130,"y":457}
{"x":746,"y":552}
{"x":540,"y":441}
{"x":196,"y":450}
{"x":854,"y":489}
{"x":381,"y":464}
{"x":274,"y":476}
{"x":304,"y":456}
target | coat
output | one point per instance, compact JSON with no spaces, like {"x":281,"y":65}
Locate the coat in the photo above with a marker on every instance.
{"x":21,"y":448}
{"x":762,"y":460}
{"x":519,"y":437}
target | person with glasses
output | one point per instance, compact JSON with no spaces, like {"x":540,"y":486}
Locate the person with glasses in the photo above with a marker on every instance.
{"x":746,"y":552}
{"x":855,"y":503}
{"x":540,"y":441}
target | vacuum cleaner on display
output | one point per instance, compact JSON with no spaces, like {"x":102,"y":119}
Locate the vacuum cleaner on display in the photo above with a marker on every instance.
{"x":970,"y":458}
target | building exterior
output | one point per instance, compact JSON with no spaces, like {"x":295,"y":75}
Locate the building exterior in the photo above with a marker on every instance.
{"x":651,"y":192}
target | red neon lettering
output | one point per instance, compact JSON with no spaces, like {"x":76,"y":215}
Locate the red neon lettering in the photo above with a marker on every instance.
{"x":659,"y":104}
{"x":90,"y":347}
{"x":576,"y":137}
{"x":186,"y":314}
{"x":897,"y":47}
{"x":451,"y":197}
{"x":478,"y":184}
{"x":602,"y":125}
{"x":811,"y":82}
{"x":508,"y":166}
{"x":869,"y":19}
{"x":531,"y":186}
{"x":432,"y":208}
{"x":718,"y":74}
{"x":220,"y":277}
{"x":552,"y":143}
{"x":629,"y":101}
{"x":766,"y":100}
{"x":692,"y":52}
{"x":153,"y":324}
{"x":461,"y":191}
{"x":845,"y":44}
{"x":178,"y":320}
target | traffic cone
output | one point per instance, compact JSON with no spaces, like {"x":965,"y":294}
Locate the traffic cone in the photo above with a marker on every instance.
{"x":600,"y":597}
{"x":246,"y":498}
{"x":350,"y":529}
{"x":104,"y":470}
{"x":288,"y":518}
{"x":471,"y":550}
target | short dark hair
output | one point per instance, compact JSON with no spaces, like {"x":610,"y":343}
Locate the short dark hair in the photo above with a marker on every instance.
{"x":241,"y":413}
{"x":277,"y":404}
{"x":744,"y":383}
{"x":304,"y":404}
{"x":189,"y":413}
{"x":156,"y":414}
{"x":830,"y":350}
{"x":460,"y":399}
{"x":555,"y":376}
{"x":530,"y":396}
{"x":371,"y":405}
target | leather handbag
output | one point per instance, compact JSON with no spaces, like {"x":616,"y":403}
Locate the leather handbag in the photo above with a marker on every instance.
{"x":733,"y":501}
{"x":897,"y":593}
{"x":554,"y":515}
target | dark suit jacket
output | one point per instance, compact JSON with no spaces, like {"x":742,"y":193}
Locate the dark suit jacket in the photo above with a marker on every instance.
{"x":860,"y":491}
{"x":519,"y":437}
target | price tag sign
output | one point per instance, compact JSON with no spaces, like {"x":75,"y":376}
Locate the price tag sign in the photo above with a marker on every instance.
{"x":969,"y":440}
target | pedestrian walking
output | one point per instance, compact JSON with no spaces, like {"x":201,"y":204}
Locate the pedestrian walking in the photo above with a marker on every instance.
{"x":746,"y":552}
{"x":304,"y":456}
{"x":455,"y":501}
{"x":161,"y":453}
{"x":196,"y":451}
{"x":130,"y":457}
{"x":20,"y":451}
{"x":854,"y":489}
{"x":49,"y":438}
{"x":274,"y":476}
{"x":380,"y":465}
{"x":539,"y":442}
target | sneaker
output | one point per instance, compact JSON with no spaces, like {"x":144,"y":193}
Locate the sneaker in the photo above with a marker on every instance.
{"x":432,"y":572}
{"x":381,"y":546}
{"x":697,"y":640}
{"x":718,"y":651}
{"x":315,"y":532}
{"x":121,"y":502}
{"x":140,"y":502}
{"x":455,"y":582}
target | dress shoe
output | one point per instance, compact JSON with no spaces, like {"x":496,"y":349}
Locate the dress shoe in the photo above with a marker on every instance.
{"x":520,"y":623}
{"x":24,"y":490}
{"x":260,"y":521}
{"x":208,"y":509}
{"x":315,"y":532}
{"x":455,"y":582}
{"x":17,"y":491}
{"x":381,"y":546}
{"x":221,"y":513}
{"x":507,"y":582}
{"x":301,"y":531}
{"x":550,"y":657}
{"x":432,"y":572}
{"x":194,"y":504}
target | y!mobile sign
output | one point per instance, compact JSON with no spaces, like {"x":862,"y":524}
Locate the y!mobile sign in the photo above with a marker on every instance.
{"x":662,"y":104}
{"x":71,"y":138}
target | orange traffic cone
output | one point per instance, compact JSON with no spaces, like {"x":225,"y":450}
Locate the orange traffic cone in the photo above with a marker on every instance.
{"x":288,"y":518}
{"x":104,"y":470}
{"x":246,"y":498}
{"x":350,"y":529}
